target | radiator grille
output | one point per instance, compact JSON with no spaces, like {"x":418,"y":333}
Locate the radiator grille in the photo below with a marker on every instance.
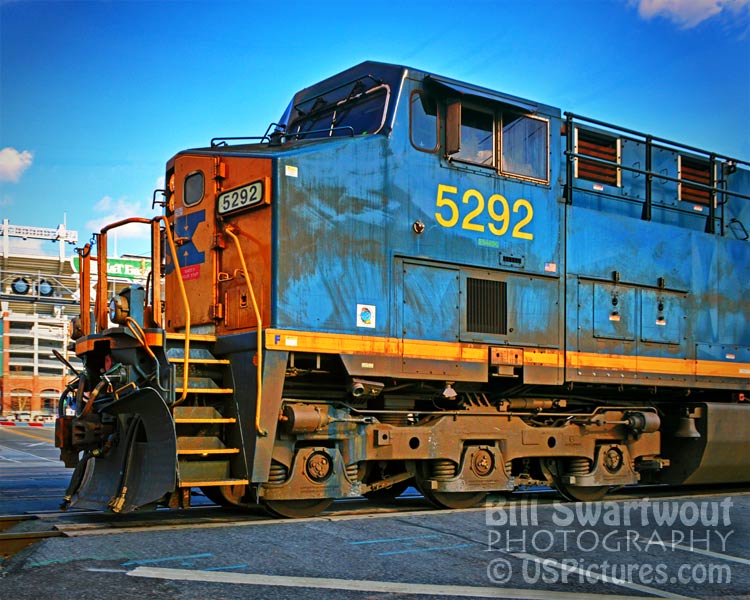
{"x":486,"y":306}
{"x":697,"y":171}
{"x":598,"y":146}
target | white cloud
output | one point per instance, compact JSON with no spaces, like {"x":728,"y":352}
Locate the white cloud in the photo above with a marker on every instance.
{"x":688,"y":13}
{"x":112,"y":210}
{"x":13,"y":163}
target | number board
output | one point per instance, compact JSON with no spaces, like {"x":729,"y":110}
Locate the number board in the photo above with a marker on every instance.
{"x":240,"y":198}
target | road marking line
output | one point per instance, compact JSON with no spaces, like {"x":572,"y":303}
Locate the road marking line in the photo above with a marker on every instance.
{"x":719,"y":555}
{"x":549,"y":562}
{"x":399,"y":539}
{"x":393,"y":587}
{"x":227,"y":568}
{"x":31,"y":435}
{"x":95,"y":570}
{"x":165,"y":559}
{"x":431,"y":549}
{"x":17,"y":451}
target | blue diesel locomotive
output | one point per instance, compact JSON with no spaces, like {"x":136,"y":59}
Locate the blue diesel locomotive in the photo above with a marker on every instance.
{"x":414,"y":280}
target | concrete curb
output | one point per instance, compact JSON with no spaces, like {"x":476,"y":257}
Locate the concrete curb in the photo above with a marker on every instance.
{"x":26,"y":424}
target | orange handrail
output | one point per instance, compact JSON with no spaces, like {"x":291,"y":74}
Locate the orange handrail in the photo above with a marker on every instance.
{"x":101,"y":296}
{"x":84,"y":283}
{"x":183,"y":293}
{"x":259,"y":396}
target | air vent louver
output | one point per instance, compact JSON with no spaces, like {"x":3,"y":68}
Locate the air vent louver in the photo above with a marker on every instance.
{"x":487,"y":306}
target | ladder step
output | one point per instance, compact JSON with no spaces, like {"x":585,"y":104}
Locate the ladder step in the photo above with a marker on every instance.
{"x":211,"y":483}
{"x":200,"y":414}
{"x":220,"y":420}
{"x":203,"y":385}
{"x":199,"y":361}
{"x":200,"y":390}
{"x":203,"y":445}
{"x":208,"y":451}
{"x":200,"y":442}
{"x":194,"y":337}
{"x":203,"y":470}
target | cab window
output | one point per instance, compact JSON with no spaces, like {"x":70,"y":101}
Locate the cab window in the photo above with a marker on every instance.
{"x":512,"y":142}
{"x":423,"y":122}
{"x":524,"y":147}
{"x":193,"y":188}
{"x":477,"y":137}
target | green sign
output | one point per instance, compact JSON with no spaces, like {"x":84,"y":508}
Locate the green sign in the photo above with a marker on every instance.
{"x":132,"y":269}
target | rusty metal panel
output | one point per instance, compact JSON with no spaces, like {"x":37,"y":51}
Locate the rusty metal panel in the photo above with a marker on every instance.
{"x":430,"y":311}
{"x":193,"y":227}
{"x":253,"y":226}
{"x":430,"y":302}
{"x":614,"y":314}
{"x":210,"y":268}
{"x":662,"y":317}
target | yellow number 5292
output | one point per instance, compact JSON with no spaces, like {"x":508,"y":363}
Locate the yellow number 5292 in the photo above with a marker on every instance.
{"x":493,"y":214}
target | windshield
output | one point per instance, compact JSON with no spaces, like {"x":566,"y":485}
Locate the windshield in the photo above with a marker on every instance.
{"x":349,"y":110}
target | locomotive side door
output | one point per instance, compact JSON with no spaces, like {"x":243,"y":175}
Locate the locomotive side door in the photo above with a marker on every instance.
{"x":243,"y":208}
{"x":193,"y":224}
{"x":213,"y":194}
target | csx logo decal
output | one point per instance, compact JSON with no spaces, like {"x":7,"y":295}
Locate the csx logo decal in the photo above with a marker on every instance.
{"x":187,"y":253}
{"x":494,"y":214}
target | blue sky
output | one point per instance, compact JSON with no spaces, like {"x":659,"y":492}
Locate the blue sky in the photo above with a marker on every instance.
{"x":95,"y":97}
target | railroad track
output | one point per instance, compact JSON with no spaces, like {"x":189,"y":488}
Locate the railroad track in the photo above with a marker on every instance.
{"x":13,"y":541}
{"x":19,"y":531}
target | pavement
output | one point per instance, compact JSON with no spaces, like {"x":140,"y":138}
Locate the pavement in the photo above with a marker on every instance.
{"x":525,"y":546}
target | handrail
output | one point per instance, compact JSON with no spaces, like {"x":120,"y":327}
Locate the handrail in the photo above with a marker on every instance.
{"x":301,"y":134}
{"x":334,"y":89}
{"x":156,"y":274}
{"x":222,"y":141}
{"x":259,"y":392}
{"x":181,"y":284}
{"x":100,"y":303}
{"x":84,"y":284}
{"x":572,"y":116}
{"x":694,"y":184}
{"x":716,"y":188}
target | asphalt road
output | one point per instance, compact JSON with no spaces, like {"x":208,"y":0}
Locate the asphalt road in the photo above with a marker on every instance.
{"x":32,"y":478}
{"x":695,"y":546}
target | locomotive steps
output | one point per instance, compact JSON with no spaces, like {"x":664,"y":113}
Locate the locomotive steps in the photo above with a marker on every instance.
{"x":205,"y":420}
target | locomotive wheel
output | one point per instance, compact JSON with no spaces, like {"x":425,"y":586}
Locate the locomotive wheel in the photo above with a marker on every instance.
{"x":575,"y":493}
{"x":297,"y":509}
{"x":581,"y":493}
{"x":455,"y":500}
{"x":228,"y":495}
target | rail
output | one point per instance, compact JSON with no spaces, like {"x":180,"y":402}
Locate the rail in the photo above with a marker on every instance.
{"x":653,"y":142}
{"x":14,"y":541}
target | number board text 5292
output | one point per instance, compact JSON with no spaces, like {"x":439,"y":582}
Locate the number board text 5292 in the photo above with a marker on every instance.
{"x":241,"y":198}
